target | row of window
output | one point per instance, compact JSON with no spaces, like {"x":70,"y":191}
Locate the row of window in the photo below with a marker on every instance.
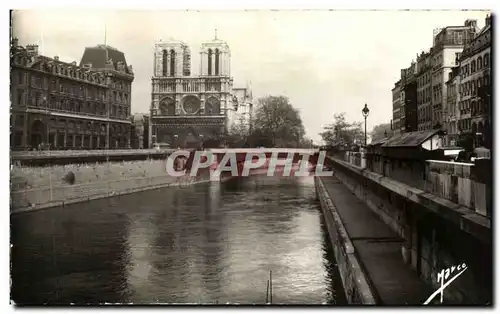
{"x":424,"y":80}
{"x":424,"y":96}
{"x":89,"y":92}
{"x":75,"y":89}
{"x":475,"y":65}
{"x":36,"y":99}
{"x":474,"y":107}
{"x":120,"y":85}
{"x":437,"y":92}
{"x":424,"y":114}
{"x":464,"y":124}
{"x":471,"y":88}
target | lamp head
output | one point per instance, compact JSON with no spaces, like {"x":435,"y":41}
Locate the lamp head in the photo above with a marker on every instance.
{"x":365,"y":111}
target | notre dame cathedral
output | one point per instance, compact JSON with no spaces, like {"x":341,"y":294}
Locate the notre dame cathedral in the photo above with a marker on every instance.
{"x":189,"y":110}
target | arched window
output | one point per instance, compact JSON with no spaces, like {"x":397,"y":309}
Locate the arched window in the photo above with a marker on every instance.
{"x":165,"y":62}
{"x":209,"y":61}
{"x":217,"y":55}
{"x":473,"y":66}
{"x":486,"y":60}
{"x":172,"y":62}
{"x":479,"y":63}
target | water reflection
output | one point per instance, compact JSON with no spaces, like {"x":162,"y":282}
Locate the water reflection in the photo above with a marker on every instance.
{"x":204,"y":243}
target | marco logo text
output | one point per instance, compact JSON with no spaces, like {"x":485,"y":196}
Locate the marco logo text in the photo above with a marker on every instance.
{"x":443,"y":277}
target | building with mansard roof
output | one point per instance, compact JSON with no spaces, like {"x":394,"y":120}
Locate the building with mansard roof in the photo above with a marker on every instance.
{"x":60,"y":105}
{"x":475,"y":88}
{"x":188,"y":110}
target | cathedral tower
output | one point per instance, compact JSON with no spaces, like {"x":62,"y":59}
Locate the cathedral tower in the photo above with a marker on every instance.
{"x":172,"y":59}
{"x":215,"y":58}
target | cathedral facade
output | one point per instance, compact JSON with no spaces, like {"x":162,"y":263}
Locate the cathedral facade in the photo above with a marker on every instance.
{"x":189,"y":110}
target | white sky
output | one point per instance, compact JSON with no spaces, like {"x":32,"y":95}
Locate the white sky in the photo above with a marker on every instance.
{"x":326,"y":62}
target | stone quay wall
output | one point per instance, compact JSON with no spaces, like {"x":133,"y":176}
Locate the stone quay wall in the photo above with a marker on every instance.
{"x":354,"y":280}
{"x":43,"y":187}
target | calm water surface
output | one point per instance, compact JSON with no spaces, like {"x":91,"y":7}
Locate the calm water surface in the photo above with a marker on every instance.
{"x":201,"y":244}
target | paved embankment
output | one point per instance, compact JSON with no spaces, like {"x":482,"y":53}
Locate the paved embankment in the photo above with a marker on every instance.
{"x":376,"y":248}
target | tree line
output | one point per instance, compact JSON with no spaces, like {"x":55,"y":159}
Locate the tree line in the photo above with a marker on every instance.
{"x":274,"y":123}
{"x":345,"y":134}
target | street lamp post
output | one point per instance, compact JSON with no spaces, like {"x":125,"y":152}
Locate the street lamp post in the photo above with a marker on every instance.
{"x":365,"y":113}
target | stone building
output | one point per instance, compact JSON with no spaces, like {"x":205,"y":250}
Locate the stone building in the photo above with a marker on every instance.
{"x":242,"y":113}
{"x":396,"y":107}
{"x":409,"y":98}
{"x":188,"y":110}
{"x":475,"y":86}
{"x":448,"y":45}
{"x":431,"y":76}
{"x":424,"y":108}
{"x":65,"y":106}
{"x":452,"y":99}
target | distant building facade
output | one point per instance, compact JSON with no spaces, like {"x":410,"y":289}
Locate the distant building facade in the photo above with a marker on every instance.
{"x":242,"y":112}
{"x":60,"y":105}
{"x":428,"y":104}
{"x":409,"y":99}
{"x":424,"y":107}
{"x":448,"y":45}
{"x":475,"y":86}
{"x":452,"y":103}
{"x":396,"y":107}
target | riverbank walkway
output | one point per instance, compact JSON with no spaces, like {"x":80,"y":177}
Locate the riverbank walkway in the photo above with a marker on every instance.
{"x":378,"y":249}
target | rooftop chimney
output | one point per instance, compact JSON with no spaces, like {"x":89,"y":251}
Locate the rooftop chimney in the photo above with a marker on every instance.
{"x":488,"y":20}
{"x":32,"y":50}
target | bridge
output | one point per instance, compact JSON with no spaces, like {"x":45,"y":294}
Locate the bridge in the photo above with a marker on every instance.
{"x":233,"y":161}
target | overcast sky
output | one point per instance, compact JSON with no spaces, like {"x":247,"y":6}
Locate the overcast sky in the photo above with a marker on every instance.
{"x":326,"y":62}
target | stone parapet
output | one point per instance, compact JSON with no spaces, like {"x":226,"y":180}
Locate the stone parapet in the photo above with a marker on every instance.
{"x":460,"y":183}
{"x":467,"y":219}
